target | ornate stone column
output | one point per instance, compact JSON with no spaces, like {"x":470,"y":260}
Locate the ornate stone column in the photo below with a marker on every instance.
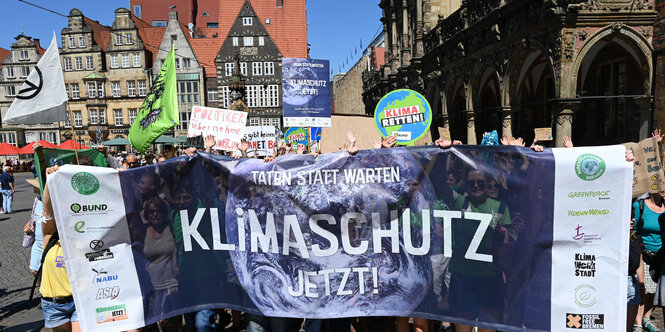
{"x":564,"y":119}
{"x":507,"y":123}
{"x":644,"y":109}
{"x":471,"y":127}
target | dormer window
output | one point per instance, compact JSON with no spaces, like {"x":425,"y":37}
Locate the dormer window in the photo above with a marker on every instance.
{"x":23,"y":55}
{"x":128,"y":39}
{"x":72,"y":42}
{"x":205,"y":14}
{"x":118,"y":39}
{"x":82,"y":41}
{"x":246,"y":21}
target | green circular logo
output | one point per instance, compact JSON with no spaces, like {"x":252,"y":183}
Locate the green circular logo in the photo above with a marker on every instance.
{"x":85,"y":183}
{"x":76,"y":207}
{"x":589,"y":167}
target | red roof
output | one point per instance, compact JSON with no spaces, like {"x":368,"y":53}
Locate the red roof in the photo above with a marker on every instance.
{"x":69,"y":144}
{"x":206,"y":50}
{"x":6,"y":148}
{"x":101,"y":33}
{"x":3,"y":54}
{"x":27,"y":149}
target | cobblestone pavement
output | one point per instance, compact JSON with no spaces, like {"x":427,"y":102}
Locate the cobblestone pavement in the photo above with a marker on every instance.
{"x":15,"y":278}
{"x":17,"y":314}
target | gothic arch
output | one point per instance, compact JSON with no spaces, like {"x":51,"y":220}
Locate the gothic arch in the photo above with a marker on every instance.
{"x":641,"y":48}
{"x":511,"y":79}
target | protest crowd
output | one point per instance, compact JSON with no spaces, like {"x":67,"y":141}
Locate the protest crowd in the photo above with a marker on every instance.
{"x":154,"y":230}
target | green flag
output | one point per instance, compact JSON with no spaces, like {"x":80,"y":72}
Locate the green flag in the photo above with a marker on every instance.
{"x":61,"y":157}
{"x":159,"y":111}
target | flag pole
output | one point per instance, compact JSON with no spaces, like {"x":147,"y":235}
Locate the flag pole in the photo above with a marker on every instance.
{"x":71,"y":124}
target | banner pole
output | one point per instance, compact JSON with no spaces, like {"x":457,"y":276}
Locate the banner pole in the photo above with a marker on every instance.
{"x":71,"y":125}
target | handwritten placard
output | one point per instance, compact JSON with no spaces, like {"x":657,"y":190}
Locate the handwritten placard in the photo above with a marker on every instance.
{"x":543,"y":134}
{"x":647,"y":171}
{"x":227,"y":126}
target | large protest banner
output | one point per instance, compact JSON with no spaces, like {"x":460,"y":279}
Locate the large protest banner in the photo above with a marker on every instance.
{"x":306,"y":93}
{"x":499,"y":237}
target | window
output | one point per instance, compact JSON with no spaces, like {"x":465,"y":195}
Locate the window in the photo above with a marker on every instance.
{"x":24,"y":55}
{"x":89,"y":64}
{"x":67,"y":90}
{"x":246,"y":21}
{"x":257,"y":68}
{"x":243,"y":68}
{"x":78,"y":62}
{"x":137,"y":11}
{"x":212,"y":94}
{"x":102,"y":116}
{"x":125,"y":60}
{"x":174,"y":41}
{"x":253,"y":121}
{"x":136,"y":60}
{"x":92,"y":90}
{"x":177,"y":63}
{"x":10,"y":72}
{"x":117,"y":117}
{"x":263,"y":96}
{"x":270,"y":122}
{"x":235,"y":41}
{"x":225,"y":97}
{"x":115,"y":89}
{"x":132,"y":115}
{"x":78,"y":120}
{"x":143,"y":88}
{"x":128,"y":39}
{"x":48,"y":136}
{"x":82,"y":41}
{"x":100,"y":89}
{"x":8,"y":138}
{"x":75,"y":91}
{"x":228,"y":68}
{"x":213,"y":25}
{"x":248,"y":41}
{"x":186,"y":63}
{"x":118,"y":39}
{"x":251,"y":96}
{"x":131,"y":88}
{"x":68,"y":64}
{"x":205,"y":14}
{"x":158,"y":23}
{"x":72,"y":42}
{"x":262,"y":41}
{"x":188,"y":92}
{"x":67,"y":124}
{"x":267,"y":20}
{"x":279,"y":3}
{"x":93,"y":116}
{"x":11,"y":90}
{"x":114,"y":61}
{"x":269,"y":68}
{"x":184,"y":119}
{"x":273,"y":94}
{"x":25,"y":71}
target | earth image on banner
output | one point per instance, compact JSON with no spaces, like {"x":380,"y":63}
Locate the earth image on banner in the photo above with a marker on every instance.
{"x":293,"y":91}
{"x":266,"y":276}
{"x":398,"y":99}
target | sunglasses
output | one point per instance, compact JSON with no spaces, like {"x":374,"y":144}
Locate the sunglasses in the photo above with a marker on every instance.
{"x":493,"y":186}
{"x":132,"y":162}
{"x":478,"y":183}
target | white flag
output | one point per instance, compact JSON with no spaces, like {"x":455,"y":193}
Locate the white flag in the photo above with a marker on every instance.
{"x":42,"y":98}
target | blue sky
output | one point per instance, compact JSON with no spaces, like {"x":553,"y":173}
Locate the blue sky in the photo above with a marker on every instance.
{"x":335,"y":27}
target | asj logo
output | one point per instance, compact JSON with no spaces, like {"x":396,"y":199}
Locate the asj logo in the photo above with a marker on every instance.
{"x":110,"y":293}
{"x":85,"y":183}
{"x":589,"y":167}
{"x":585,"y":296}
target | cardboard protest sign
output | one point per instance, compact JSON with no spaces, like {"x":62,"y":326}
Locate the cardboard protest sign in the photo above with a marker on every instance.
{"x":444,"y":133}
{"x":647,"y":171}
{"x":405,"y":114}
{"x":543,"y":134}
{"x":260,"y":139}
{"x":227,"y":126}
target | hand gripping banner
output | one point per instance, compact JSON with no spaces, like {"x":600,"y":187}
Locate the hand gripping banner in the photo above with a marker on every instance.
{"x":497,"y":237}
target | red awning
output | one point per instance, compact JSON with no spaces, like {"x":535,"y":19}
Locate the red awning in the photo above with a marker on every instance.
{"x":27,"y":149}
{"x":6,"y":148}
{"x":69,"y":144}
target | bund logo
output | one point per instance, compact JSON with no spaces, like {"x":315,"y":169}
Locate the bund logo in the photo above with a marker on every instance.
{"x":85,"y":183}
{"x":589,"y":167}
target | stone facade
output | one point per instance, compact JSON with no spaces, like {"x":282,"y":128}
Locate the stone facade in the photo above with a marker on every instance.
{"x":25,"y":53}
{"x":583,"y":68}
{"x":250,"y":46}
{"x":347,"y":90}
{"x":189,"y":73}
